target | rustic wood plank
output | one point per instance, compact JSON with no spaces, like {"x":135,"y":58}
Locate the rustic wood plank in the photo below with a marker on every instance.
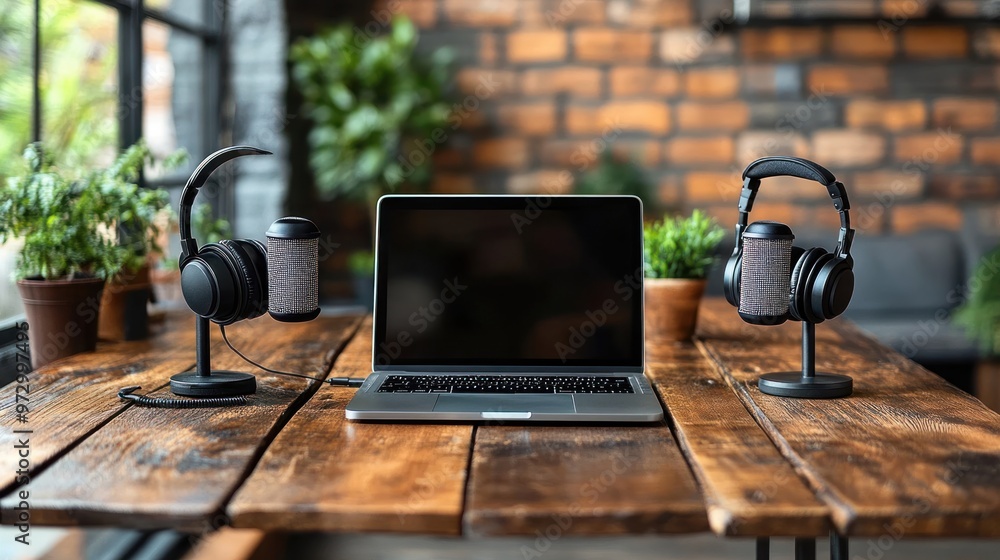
{"x":323,"y":473}
{"x":749,"y":488}
{"x":585,"y":480}
{"x":71,"y":398}
{"x":988,"y":383}
{"x":908,"y":455}
{"x":152,"y":467}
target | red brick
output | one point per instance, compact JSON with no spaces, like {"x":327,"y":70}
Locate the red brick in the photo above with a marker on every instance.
{"x":578,"y":81}
{"x":847,"y":148}
{"x":421,"y":12}
{"x":611,"y":45}
{"x":929,"y":148}
{"x":965,"y":114}
{"x":480,"y":14}
{"x":986,"y":42}
{"x":862,"y":41}
{"x":835,"y":79}
{"x":986,"y":151}
{"x":544,"y":181}
{"x":669,"y":191}
{"x":447,"y":157}
{"x":781,"y":42}
{"x":935,"y":42}
{"x":646,"y":152}
{"x":532,"y":119}
{"x":886,"y":185}
{"x":890,"y":115}
{"x":486,"y":82}
{"x":754,"y":144}
{"x":712,"y":186}
{"x":649,"y":13}
{"x":694,"y":44}
{"x":501,"y":153}
{"x":568,"y":153}
{"x":612,"y":118}
{"x":716,"y":82}
{"x":762,"y":80}
{"x":451,"y":183}
{"x":488,"y":49}
{"x":729,"y":115}
{"x":928,"y":215}
{"x":965,"y":186}
{"x":688,"y":151}
{"x":537,"y":45}
{"x":902,"y":10}
{"x":558,"y":13}
{"x":643,"y":80}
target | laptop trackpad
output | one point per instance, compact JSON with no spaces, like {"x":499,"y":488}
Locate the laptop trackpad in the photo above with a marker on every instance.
{"x":504,"y":403}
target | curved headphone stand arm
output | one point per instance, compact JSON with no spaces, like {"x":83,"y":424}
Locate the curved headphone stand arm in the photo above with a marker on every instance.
{"x":204,"y":382}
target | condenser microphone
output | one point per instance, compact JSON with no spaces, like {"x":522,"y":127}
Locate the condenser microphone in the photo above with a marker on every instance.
{"x":293,"y":270}
{"x":765,"y":273}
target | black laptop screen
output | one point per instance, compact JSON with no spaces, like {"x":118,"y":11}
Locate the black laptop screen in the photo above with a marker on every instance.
{"x":509,"y":281}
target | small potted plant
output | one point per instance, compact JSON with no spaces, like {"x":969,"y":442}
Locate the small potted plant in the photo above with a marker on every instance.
{"x":69,"y":226}
{"x":677,"y":253}
{"x":980,"y":316}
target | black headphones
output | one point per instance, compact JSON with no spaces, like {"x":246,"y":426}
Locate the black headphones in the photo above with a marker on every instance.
{"x":822,"y":283}
{"x":225,"y":281}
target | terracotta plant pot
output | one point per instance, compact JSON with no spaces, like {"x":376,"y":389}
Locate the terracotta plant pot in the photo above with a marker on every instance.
{"x":123,"y":307}
{"x":62,"y":316}
{"x":671,"y":307}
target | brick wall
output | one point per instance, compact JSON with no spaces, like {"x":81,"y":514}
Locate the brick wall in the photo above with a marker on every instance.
{"x":903,"y":111}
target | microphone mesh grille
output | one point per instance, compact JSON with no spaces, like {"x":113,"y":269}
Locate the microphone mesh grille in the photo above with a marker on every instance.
{"x":765,"y":276}
{"x":292,"y":275}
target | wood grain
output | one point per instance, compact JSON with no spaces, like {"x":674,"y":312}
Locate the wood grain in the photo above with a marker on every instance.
{"x":152,"y":467}
{"x":749,"y":488}
{"x":233,"y":544}
{"x":323,"y":473}
{"x":908,"y":455}
{"x":71,"y":398}
{"x":582,"y":480}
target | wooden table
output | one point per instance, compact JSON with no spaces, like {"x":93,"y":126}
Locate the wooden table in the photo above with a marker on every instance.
{"x":906,"y":456}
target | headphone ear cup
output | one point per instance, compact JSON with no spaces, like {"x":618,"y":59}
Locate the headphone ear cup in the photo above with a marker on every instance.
{"x":210,"y":283}
{"x":833,"y":288}
{"x":799,"y":296}
{"x":731,"y":279}
{"x":249,"y":260}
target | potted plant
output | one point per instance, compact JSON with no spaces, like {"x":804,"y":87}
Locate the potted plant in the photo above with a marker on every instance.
{"x":70,"y":246}
{"x":378,"y":110}
{"x":677,"y":253}
{"x":980,"y":316}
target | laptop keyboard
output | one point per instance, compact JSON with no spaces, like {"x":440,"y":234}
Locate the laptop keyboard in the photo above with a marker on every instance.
{"x":500,"y":384}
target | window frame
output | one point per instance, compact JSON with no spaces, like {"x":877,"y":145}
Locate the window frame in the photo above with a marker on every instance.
{"x":132,"y":15}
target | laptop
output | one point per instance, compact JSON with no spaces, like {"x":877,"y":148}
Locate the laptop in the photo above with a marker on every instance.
{"x":507,"y":308}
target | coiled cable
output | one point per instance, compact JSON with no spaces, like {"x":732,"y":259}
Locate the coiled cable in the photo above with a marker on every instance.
{"x":126,"y":393}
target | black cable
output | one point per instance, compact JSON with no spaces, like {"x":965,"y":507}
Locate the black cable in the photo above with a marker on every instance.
{"x":335,"y":381}
{"x":143,"y":400}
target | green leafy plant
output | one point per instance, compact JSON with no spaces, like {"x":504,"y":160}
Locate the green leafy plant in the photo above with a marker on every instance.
{"x":680,"y":247}
{"x":209,"y":229}
{"x":980,"y":314}
{"x":90,"y":224}
{"x":615,"y":175}
{"x":377,"y":108}
{"x":361,"y":263}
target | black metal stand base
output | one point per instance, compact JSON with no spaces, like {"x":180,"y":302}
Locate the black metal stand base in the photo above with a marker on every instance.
{"x":819,"y":386}
{"x":204,"y":382}
{"x":806,"y":384}
{"x":217,"y":384}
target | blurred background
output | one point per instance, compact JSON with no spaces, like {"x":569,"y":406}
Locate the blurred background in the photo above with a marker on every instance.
{"x":668,"y":99}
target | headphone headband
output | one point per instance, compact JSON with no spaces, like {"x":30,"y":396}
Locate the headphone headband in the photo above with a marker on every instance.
{"x":786,"y":166}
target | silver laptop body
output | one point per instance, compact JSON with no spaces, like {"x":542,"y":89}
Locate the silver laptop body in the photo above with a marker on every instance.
{"x":532,"y":303}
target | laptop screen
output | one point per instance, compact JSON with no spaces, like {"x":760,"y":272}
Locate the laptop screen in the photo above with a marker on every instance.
{"x":508,"y":281}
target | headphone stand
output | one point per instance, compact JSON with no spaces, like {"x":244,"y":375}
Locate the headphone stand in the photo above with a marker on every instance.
{"x":806,"y":384}
{"x":207,"y":383}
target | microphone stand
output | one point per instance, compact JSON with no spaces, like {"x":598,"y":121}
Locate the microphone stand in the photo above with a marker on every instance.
{"x":806,"y":384}
{"x":207,"y":383}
